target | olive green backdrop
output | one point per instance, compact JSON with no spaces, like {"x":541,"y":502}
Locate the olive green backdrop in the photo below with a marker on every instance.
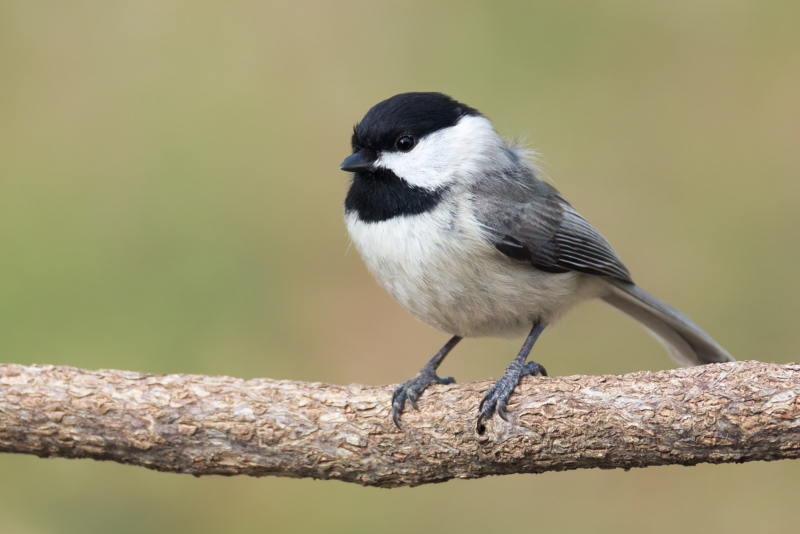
{"x":170,"y":202}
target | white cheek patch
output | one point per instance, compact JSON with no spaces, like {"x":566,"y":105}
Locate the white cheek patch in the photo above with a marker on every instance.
{"x":439,"y":157}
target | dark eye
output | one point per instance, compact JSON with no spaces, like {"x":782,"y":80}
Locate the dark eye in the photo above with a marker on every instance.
{"x":405,"y":143}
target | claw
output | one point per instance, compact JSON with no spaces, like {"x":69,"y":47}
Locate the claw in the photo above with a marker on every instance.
{"x":396,"y":417}
{"x":485,"y":398}
{"x":398,"y":401}
{"x":501,"y":411}
{"x":479,"y":426}
{"x":413,"y":400}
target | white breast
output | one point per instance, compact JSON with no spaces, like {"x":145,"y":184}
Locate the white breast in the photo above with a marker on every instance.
{"x":440,"y":267}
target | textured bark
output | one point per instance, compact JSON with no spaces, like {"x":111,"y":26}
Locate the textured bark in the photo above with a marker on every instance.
{"x":733,"y":412}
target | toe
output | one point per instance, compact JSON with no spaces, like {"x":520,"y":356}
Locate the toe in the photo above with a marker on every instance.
{"x":486,"y":397}
{"x":534,"y":369}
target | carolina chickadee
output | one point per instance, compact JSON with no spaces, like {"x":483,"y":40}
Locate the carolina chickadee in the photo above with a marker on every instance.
{"x":455,"y":225}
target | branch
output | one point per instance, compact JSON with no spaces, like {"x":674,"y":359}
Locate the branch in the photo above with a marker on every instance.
{"x":203,"y":425}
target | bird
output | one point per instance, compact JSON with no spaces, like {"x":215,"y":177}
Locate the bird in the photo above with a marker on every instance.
{"x":457,"y":225}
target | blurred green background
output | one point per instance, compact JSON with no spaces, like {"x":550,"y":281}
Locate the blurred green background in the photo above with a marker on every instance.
{"x":170,"y":203}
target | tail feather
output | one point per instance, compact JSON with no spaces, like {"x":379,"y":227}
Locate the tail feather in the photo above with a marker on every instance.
{"x":686,"y":342}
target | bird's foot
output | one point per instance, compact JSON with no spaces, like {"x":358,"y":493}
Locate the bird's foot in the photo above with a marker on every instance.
{"x":410,"y":390}
{"x":496,"y":397}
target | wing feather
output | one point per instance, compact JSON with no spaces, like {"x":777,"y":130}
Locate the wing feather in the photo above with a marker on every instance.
{"x":528,"y":220}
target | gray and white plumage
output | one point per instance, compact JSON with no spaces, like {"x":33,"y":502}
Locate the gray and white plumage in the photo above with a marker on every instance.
{"x":464,"y":235}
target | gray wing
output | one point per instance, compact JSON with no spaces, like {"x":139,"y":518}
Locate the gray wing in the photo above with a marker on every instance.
{"x":529,"y":221}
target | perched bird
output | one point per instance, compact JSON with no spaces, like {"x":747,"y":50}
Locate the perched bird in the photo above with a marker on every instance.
{"x":454,"y":223}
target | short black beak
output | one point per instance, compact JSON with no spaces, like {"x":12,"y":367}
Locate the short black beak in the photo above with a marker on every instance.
{"x":360,"y":161}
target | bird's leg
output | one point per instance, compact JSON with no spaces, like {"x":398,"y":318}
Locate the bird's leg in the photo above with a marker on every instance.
{"x":410,"y":390}
{"x":496,"y":398}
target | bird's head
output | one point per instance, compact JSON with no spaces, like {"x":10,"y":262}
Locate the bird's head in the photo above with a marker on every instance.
{"x":428,"y":140}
